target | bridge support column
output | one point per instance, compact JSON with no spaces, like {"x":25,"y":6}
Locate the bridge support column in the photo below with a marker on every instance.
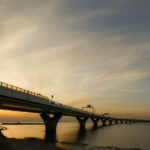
{"x":82,"y":121}
{"x":51,"y":123}
{"x":121,"y":121}
{"x":95,"y":122}
{"x":126,"y":121}
{"x":110,"y":121}
{"x":116,"y":121}
{"x":103,"y":121}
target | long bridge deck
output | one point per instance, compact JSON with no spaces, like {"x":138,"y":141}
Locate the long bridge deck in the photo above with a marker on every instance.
{"x":18,"y":99}
{"x":15,"y":98}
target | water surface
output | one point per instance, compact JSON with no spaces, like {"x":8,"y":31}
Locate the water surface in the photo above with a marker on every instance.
{"x":124,"y":136}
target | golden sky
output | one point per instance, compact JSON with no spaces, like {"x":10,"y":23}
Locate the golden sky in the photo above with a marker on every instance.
{"x":84,"y":52}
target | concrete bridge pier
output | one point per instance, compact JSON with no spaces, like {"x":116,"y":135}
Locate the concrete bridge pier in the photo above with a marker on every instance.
{"x":82,"y":121}
{"x":121,"y":121}
{"x":130,"y":121}
{"x":103,"y":121}
{"x":116,"y":121}
{"x":51,"y":122}
{"x":126,"y":121}
{"x":95,"y":122}
{"x":110,"y":121}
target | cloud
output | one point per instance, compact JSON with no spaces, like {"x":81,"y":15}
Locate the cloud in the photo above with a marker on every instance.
{"x":77,"y":50}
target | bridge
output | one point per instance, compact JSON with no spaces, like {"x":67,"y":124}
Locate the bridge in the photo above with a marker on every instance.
{"x":18,"y":99}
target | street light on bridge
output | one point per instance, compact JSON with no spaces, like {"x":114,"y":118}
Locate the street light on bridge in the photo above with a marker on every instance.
{"x":52,"y":96}
{"x":106,"y":115}
{"x":89,"y":106}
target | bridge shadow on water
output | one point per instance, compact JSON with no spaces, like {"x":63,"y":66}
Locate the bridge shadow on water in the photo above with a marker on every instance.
{"x":79,"y":136}
{"x":83,"y":133}
{"x":50,"y":137}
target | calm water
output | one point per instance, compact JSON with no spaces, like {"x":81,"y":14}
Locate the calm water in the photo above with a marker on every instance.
{"x":124,"y":136}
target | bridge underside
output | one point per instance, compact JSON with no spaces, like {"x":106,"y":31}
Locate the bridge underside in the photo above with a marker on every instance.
{"x":8,"y":103}
{"x":21,"y":105}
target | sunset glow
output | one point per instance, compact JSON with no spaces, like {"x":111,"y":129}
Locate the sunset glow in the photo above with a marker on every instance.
{"x":82,"y":52}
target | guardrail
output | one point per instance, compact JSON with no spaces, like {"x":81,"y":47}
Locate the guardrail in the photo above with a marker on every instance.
{"x":22,"y":90}
{"x":9,"y":86}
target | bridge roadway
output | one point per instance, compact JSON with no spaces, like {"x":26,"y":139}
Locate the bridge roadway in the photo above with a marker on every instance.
{"x":18,"y":99}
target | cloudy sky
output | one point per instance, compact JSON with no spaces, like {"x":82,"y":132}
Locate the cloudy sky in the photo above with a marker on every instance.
{"x":82,"y":51}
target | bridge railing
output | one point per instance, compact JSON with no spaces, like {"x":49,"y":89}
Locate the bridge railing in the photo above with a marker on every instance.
{"x":9,"y":86}
{"x":15,"y":88}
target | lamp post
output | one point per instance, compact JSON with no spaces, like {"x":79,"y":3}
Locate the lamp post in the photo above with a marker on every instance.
{"x":89,"y":106}
{"x":106,"y":115}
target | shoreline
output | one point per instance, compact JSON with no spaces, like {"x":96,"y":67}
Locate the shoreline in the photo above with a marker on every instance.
{"x":38,"y":144}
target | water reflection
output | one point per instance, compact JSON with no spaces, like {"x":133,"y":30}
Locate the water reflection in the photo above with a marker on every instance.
{"x":77,"y":136}
{"x":135,"y":135}
{"x":81,"y":134}
{"x":50,"y":137}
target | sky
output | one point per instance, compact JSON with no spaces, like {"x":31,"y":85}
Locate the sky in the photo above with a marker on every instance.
{"x":83,"y":51}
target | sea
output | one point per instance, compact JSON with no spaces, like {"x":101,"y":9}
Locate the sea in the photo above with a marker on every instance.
{"x":68,"y":134}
